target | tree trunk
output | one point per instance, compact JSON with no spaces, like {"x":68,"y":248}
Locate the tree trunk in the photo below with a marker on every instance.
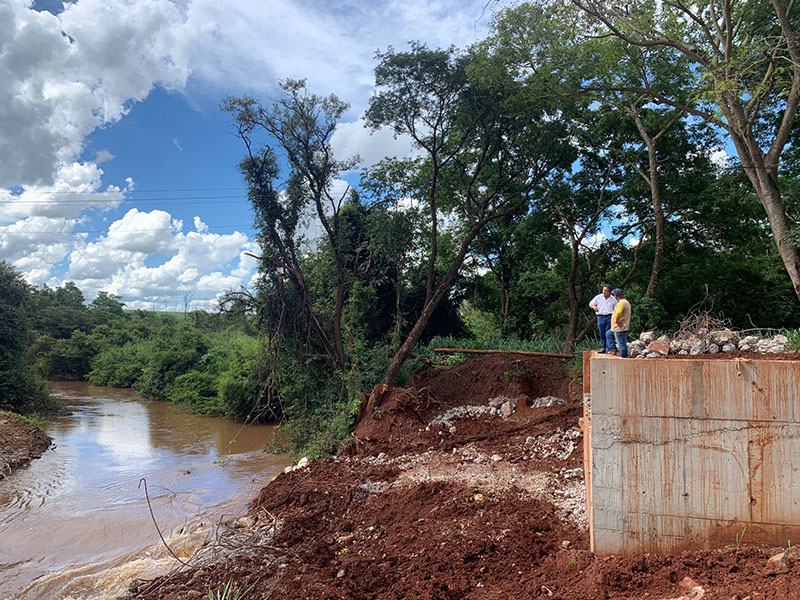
{"x":765,"y":181}
{"x":572,"y":326}
{"x":416,"y":332}
{"x":434,"y":233}
{"x":658,"y":214}
{"x":398,"y":323}
{"x":505,"y":306}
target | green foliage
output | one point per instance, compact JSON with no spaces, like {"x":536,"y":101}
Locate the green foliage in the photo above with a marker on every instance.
{"x":793,"y":344}
{"x":229,"y":592}
{"x":482,"y":325}
{"x":21,"y":390}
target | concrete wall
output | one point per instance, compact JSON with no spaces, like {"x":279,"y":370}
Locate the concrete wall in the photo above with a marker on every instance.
{"x":692,"y":453}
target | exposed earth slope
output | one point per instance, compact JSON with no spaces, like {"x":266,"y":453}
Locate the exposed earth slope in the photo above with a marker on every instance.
{"x":20,"y":442}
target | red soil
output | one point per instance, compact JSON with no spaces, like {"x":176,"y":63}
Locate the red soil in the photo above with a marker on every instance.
{"x":20,"y":442}
{"x":477,"y":509}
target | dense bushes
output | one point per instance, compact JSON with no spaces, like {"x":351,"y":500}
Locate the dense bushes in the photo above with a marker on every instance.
{"x":204,"y":372}
{"x":20,"y":388}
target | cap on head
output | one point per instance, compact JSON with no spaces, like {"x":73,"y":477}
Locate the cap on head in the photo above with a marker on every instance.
{"x":618,"y":292}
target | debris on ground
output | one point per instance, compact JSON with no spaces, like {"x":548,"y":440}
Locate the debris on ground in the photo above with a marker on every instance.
{"x":708,"y":342}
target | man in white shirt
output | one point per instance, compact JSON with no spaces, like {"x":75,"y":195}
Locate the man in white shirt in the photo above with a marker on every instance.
{"x":603,"y":306}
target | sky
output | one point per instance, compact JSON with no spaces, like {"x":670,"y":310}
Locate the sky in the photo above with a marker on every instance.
{"x":119,"y":171}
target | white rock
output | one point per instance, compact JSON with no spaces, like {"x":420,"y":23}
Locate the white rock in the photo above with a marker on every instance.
{"x":750,"y":340}
{"x":744,"y":347}
{"x":713,"y":349}
{"x":699,"y":348}
{"x":302,"y":462}
{"x":496,"y":458}
{"x":664,"y":338}
{"x":728,"y":348}
{"x":781,"y":339}
{"x":763,"y":345}
{"x":547,"y":401}
{"x":647,"y":336}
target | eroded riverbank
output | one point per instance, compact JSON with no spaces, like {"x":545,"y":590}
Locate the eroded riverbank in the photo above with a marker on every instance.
{"x":20,"y":442}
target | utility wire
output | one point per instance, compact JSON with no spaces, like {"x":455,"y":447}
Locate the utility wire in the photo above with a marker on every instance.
{"x":136,"y":191}
{"x":30,"y":231}
{"x":99,"y":202}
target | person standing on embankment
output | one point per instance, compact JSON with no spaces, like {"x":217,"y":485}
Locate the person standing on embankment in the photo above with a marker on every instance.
{"x":620,"y":323}
{"x":603,"y":306}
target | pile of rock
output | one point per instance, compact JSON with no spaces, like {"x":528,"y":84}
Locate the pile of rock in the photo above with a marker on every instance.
{"x":703,"y":342}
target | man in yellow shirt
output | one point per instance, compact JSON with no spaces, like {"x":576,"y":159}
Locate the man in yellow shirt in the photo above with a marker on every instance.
{"x":620,"y":323}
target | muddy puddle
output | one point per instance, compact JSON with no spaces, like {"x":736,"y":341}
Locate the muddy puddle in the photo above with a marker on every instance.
{"x":76,"y":523}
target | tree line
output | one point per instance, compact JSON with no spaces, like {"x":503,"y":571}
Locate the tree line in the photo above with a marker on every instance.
{"x":205,"y":362}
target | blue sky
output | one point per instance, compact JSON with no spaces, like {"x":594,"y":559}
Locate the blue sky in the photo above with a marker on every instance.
{"x":120,"y":172}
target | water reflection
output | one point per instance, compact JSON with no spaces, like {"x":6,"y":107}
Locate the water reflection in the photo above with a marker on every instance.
{"x":81,"y":502}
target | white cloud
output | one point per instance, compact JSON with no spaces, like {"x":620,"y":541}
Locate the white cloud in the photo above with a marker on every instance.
{"x":199,"y":225}
{"x":355,"y":139}
{"x":593,"y":242}
{"x":197,"y":261}
{"x":77,"y":188}
{"x":333,"y":45}
{"x":64,"y":76}
{"x":34,"y":244}
{"x":147,"y":232}
{"x":719,"y":158}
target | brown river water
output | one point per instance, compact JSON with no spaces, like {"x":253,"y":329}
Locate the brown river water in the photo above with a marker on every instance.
{"x":76,"y":524}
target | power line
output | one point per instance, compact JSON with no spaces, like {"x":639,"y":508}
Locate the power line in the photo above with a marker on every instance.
{"x":166,"y":200}
{"x":30,"y":231}
{"x":135,"y":191}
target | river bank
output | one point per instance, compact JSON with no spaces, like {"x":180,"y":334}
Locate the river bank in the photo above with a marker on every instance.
{"x":20,"y":442}
{"x":451,"y":490}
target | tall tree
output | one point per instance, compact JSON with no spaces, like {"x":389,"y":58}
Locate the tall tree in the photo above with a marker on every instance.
{"x":486,"y":148}
{"x":744,"y":63}
{"x":302,"y":123}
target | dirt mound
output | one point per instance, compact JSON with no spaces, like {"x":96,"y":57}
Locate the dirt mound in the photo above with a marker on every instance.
{"x":442,"y":496}
{"x":20,"y":442}
{"x":401,"y":421}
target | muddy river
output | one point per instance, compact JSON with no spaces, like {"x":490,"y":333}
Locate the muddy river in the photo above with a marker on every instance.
{"x":76,"y":523}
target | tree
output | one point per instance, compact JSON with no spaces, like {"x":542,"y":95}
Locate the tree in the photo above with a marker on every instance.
{"x":20,"y":389}
{"x":744,"y":63}
{"x":486,"y":148}
{"x":110,"y":303}
{"x":302,"y":124}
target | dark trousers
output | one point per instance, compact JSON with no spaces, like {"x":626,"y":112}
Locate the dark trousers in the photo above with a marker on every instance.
{"x":603,"y":326}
